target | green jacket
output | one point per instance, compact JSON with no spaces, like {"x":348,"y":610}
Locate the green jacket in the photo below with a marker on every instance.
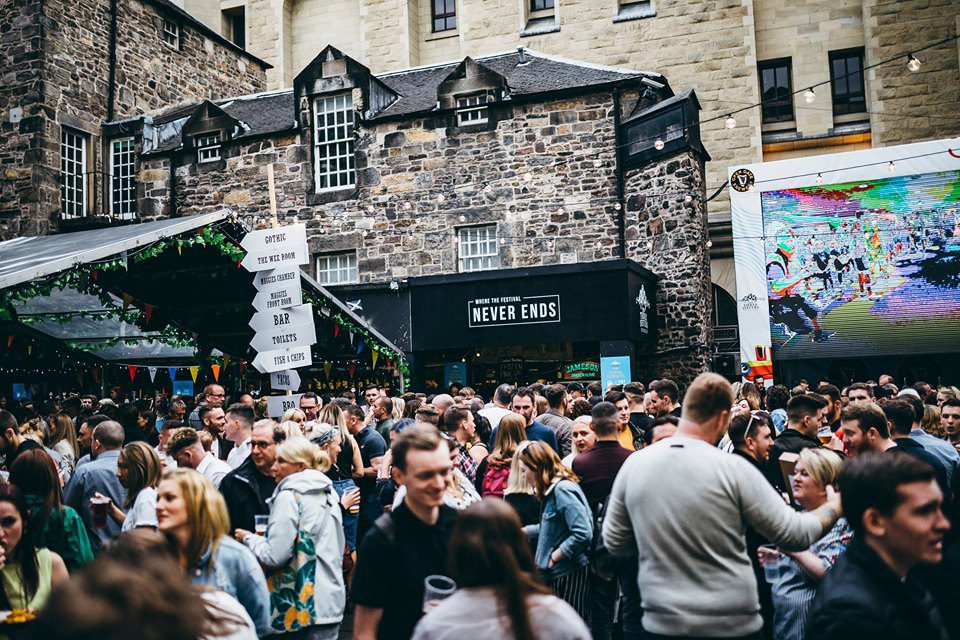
{"x":63,"y":533}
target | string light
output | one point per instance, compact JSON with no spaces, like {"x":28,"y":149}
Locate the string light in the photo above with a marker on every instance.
{"x":913,"y":62}
{"x":407,"y":206}
{"x":688,"y":198}
{"x":440,"y":198}
{"x":617,"y":206}
{"x":730,"y":122}
{"x":527,"y":177}
{"x":809,"y":95}
{"x":819,"y":179}
{"x":709,"y":243}
{"x":463,"y":218}
{"x":658,"y":145}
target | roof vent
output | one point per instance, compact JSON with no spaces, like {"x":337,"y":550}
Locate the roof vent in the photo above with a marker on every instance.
{"x":523,"y":55}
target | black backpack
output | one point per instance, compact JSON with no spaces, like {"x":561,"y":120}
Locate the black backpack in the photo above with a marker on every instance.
{"x":602,"y":563}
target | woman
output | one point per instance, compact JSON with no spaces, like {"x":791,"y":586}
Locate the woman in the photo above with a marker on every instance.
{"x":399,"y":406}
{"x":583,"y":438}
{"x":499,"y":594}
{"x":192,"y":515}
{"x":349,"y":461}
{"x":29,"y":573}
{"x":410,"y":408}
{"x":327,"y":437}
{"x":303,"y":545}
{"x":519,"y":493}
{"x":147,"y":423}
{"x":931,"y":422}
{"x":494,"y":471}
{"x":947,"y":393}
{"x":138,"y":469}
{"x":565,"y":530}
{"x":800,"y":572}
{"x":36,"y":429}
{"x":55,"y":525}
{"x":63,"y":440}
{"x":294,"y":415}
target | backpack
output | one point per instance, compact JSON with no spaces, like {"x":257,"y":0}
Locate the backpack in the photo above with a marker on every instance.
{"x":495,"y":479}
{"x":602,"y":563}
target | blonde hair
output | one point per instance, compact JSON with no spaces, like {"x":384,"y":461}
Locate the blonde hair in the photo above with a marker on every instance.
{"x":299,"y":450}
{"x":291,"y":429}
{"x":542,"y":405}
{"x":206,"y":512}
{"x":34,"y":429}
{"x":546,"y":466}
{"x":931,"y":421}
{"x":61,"y":428}
{"x":293,"y":415}
{"x":822,"y":465}
{"x":516,"y":481}
{"x":141,"y":470}
{"x":332,"y":414}
{"x":510,"y":433}
{"x":398,"y":406}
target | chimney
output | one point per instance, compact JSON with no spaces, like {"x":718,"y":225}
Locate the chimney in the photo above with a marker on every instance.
{"x":523,"y":55}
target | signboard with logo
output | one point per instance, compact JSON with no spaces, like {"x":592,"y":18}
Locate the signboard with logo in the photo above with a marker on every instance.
{"x":614,"y":370}
{"x":511,"y":369}
{"x":454,"y":373}
{"x":588,"y":370}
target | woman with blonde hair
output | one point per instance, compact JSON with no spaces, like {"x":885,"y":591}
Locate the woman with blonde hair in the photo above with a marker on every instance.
{"x":349,"y":461}
{"x":63,"y":439}
{"x":138,"y":469}
{"x":565,"y":530}
{"x":329,"y":439}
{"x":494,"y":470}
{"x":518,"y":493}
{"x":931,"y":421}
{"x":294,"y":415}
{"x":192,"y":514}
{"x":303,"y":544}
{"x":398,"y":406}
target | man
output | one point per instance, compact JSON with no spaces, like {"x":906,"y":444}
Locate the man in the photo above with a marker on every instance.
{"x":832,"y":395}
{"x":865,"y":429}
{"x":899,"y":416}
{"x":576,"y":390}
{"x":950,"y":419}
{"x":246,"y":488}
{"x":85,"y":437}
{"x":805,"y":415}
{"x":695,"y":576}
{"x":555,"y":417}
{"x":467,"y":393}
{"x":500,"y":405}
{"x":87,"y":401}
{"x":310,"y":405}
{"x":406,"y":545}
{"x":238,"y":429}
{"x":175,"y":412}
{"x":877,"y":589}
{"x":372,"y":449}
{"x":427,"y":414}
{"x":524,"y":405}
{"x":184,"y":446}
{"x":885,"y":379}
{"x":665,"y":395}
{"x":629,"y":439}
{"x":441,"y":402}
{"x":639,"y":420}
{"x":663,"y":427}
{"x":214,"y":420}
{"x":213,"y":396}
{"x":370,"y":395}
{"x":13,"y":444}
{"x":247,"y":400}
{"x":775,"y":400}
{"x":649,"y":406}
{"x":597,"y":468}
{"x":945,"y":452}
{"x":98,"y":476}
{"x":860,"y":392}
{"x":382,"y":416}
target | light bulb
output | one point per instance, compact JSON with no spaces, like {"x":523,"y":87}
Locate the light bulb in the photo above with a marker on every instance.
{"x":891,"y":167}
{"x":597,"y":164}
{"x":463,"y":218}
{"x":560,"y":211}
{"x":617,"y":206}
{"x":730,"y":122}
{"x":407,"y":205}
{"x":809,"y":95}
{"x":913,"y":63}
{"x":658,"y":145}
{"x":819,"y":179}
{"x":688,"y":199}
{"x":709,"y":243}
{"x":503,"y":241}
{"x":649,"y":246}
{"x":528,"y":176}
{"x":440,"y":198}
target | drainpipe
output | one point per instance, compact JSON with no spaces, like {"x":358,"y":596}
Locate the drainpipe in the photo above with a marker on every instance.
{"x":622,"y":213}
{"x":172,"y":206}
{"x":112,"y":79}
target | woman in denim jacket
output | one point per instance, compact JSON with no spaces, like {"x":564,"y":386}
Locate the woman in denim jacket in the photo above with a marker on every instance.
{"x":192,"y":515}
{"x":565,"y":530}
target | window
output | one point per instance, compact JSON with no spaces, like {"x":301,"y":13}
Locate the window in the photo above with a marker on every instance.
{"x":337,"y":268}
{"x":171,"y":33}
{"x":776,"y":91}
{"x":208,"y":147}
{"x":472,"y":109}
{"x":634,"y":10}
{"x":541,"y":5}
{"x":123,"y":187}
{"x":478,"y":249}
{"x":444,"y":15}
{"x":846,"y":82}
{"x":235,"y":27}
{"x":73,"y":176}
{"x":333,"y":142}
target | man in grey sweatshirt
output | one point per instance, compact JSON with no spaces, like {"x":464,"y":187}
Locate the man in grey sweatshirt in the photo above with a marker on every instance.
{"x":683,"y":505}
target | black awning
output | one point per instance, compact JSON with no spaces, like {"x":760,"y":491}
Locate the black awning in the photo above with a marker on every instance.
{"x":610,"y":300}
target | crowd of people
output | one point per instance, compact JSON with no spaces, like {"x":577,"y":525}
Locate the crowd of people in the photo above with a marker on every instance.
{"x":548,"y":512}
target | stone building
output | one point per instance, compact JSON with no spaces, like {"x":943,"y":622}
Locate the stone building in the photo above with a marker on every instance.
{"x":467,"y":178}
{"x":732,"y":52}
{"x":69,"y":67}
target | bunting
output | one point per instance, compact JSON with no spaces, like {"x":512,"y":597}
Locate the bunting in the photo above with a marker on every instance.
{"x":133,"y":371}
{"x":374,"y":354}
{"x":336,"y":329}
{"x":352,"y":367}
{"x":173,"y":373}
{"x":127,"y":301}
{"x":148,"y":311}
{"x":10,"y":340}
{"x":193,"y":372}
{"x":216,"y":371}
{"x":327,"y":366}
{"x":153,"y":373}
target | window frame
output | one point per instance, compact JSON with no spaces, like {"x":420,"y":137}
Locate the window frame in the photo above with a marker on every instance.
{"x":123,"y":182}
{"x":76,"y":208}
{"x":208,"y":142}
{"x":465,"y":108}
{"x":322,"y":181}
{"x":353,"y":272}
{"x":547,"y":5}
{"x":167,"y":34}
{"x":465,"y":258}
{"x":231,"y":17}
{"x":845,"y":55}
{"x":448,"y":16}
{"x":785,"y":103}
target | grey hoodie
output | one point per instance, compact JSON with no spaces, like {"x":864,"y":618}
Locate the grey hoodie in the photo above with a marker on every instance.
{"x":305,"y":525}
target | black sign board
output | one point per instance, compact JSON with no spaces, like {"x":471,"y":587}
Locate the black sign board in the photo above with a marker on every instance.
{"x":511,"y":369}
{"x":610,"y":300}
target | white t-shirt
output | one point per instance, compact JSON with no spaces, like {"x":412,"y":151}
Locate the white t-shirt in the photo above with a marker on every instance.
{"x":238,"y":454}
{"x":143,"y":513}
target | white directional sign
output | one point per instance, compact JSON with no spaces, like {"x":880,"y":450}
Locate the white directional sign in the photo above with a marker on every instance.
{"x":284,"y":337}
{"x":297,"y":316}
{"x":277,"y":405}
{"x":279,"y":298}
{"x":277,"y":279}
{"x":280,"y":359}
{"x":285,"y":380}
{"x":266,"y":239}
{"x":277,"y":257}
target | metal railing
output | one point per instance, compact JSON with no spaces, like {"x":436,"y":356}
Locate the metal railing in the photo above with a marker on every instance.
{"x":97,"y":195}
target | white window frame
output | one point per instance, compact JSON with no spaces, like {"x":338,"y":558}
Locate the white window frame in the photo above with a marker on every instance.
{"x":208,"y":146}
{"x":337,"y":268}
{"x":171,"y":33}
{"x":123,"y":160}
{"x":472,"y":109}
{"x":73,"y":173}
{"x":334,"y":143}
{"x":478,"y":248}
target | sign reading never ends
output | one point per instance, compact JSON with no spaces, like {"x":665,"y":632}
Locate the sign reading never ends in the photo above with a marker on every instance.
{"x":512,"y":310}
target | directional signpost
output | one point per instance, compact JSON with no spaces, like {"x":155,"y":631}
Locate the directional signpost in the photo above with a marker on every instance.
{"x":285,"y":380}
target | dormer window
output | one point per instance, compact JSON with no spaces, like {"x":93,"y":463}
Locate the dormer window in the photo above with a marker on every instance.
{"x":208,"y":147}
{"x":472,"y":109}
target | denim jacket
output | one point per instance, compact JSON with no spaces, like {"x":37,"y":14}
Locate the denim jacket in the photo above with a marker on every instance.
{"x":235,"y":570}
{"x":565,"y":524}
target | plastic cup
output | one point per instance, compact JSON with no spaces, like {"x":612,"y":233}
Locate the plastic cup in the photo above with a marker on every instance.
{"x":99,"y":508}
{"x":260,"y":524}
{"x":435,"y":590}
{"x":771,"y":566}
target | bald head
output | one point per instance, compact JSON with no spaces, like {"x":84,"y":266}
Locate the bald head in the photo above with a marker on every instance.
{"x":107,"y":436}
{"x":443,"y":402}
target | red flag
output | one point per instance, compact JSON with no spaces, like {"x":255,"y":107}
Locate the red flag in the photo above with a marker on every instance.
{"x":352,"y":367}
{"x":10,"y":341}
{"x":133,"y":371}
{"x":148,"y":311}
{"x":336,"y":329}
{"x":243,"y":367}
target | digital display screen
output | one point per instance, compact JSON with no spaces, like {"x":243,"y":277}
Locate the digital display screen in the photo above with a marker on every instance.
{"x":864,"y":268}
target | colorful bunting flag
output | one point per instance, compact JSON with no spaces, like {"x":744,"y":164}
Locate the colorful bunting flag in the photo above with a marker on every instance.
{"x":326,"y":368}
{"x":374,"y":354}
{"x":153,"y":373}
{"x":336,"y":329}
{"x":216,"y":371}
{"x":352,"y":367}
{"x":193,"y":372}
{"x":173,"y":373}
{"x":133,"y":371}
{"x":127,"y":301}
{"x":148,"y":311}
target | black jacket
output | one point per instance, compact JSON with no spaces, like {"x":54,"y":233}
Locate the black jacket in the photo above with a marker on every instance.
{"x":242,"y":495}
{"x":861,"y":598}
{"x":790,"y":440}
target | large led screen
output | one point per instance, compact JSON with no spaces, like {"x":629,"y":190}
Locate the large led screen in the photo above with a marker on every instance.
{"x":869,"y":267}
